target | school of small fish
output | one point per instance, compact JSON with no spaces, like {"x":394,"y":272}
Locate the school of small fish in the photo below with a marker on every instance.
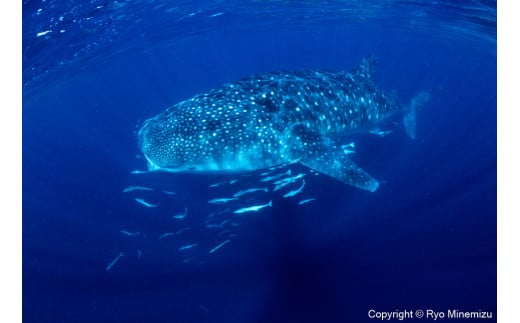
{"x":232,"y":209}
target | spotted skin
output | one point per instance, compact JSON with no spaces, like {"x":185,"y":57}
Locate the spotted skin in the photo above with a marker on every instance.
{"x":269,"y":119}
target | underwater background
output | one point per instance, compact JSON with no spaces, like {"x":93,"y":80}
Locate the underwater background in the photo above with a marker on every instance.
{"x":94,"y":71}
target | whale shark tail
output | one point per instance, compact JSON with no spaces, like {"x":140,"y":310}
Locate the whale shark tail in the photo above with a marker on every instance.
{"x":410,"y":116}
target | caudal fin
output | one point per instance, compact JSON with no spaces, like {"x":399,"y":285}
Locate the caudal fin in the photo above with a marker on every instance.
{"x":410,"y":117}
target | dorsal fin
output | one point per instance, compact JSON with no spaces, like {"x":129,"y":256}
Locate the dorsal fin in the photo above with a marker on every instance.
{"x":367,"y":68}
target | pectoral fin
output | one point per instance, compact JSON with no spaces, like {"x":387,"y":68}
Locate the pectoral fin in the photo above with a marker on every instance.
{"x":353,"y":175}
{"x":344,"y":169}
{"x":327,"y":156}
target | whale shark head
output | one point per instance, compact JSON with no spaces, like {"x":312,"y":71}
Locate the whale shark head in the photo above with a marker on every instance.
{"x":162,"y":147}
{"x":195,"y":137}
{"x":169,"y":145}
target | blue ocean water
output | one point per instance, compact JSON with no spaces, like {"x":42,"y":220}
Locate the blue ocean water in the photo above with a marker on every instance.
{"x":93,"y":71}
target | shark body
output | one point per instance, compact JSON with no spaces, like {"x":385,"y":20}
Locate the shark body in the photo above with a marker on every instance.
{"x":275,"y":118}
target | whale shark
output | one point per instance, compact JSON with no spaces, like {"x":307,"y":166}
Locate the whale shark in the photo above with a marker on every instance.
{"x":274,"y":118}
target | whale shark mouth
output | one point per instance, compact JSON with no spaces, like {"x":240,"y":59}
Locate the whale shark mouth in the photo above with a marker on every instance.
{"x":207,"y":168}
{"x":152,"y":166}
